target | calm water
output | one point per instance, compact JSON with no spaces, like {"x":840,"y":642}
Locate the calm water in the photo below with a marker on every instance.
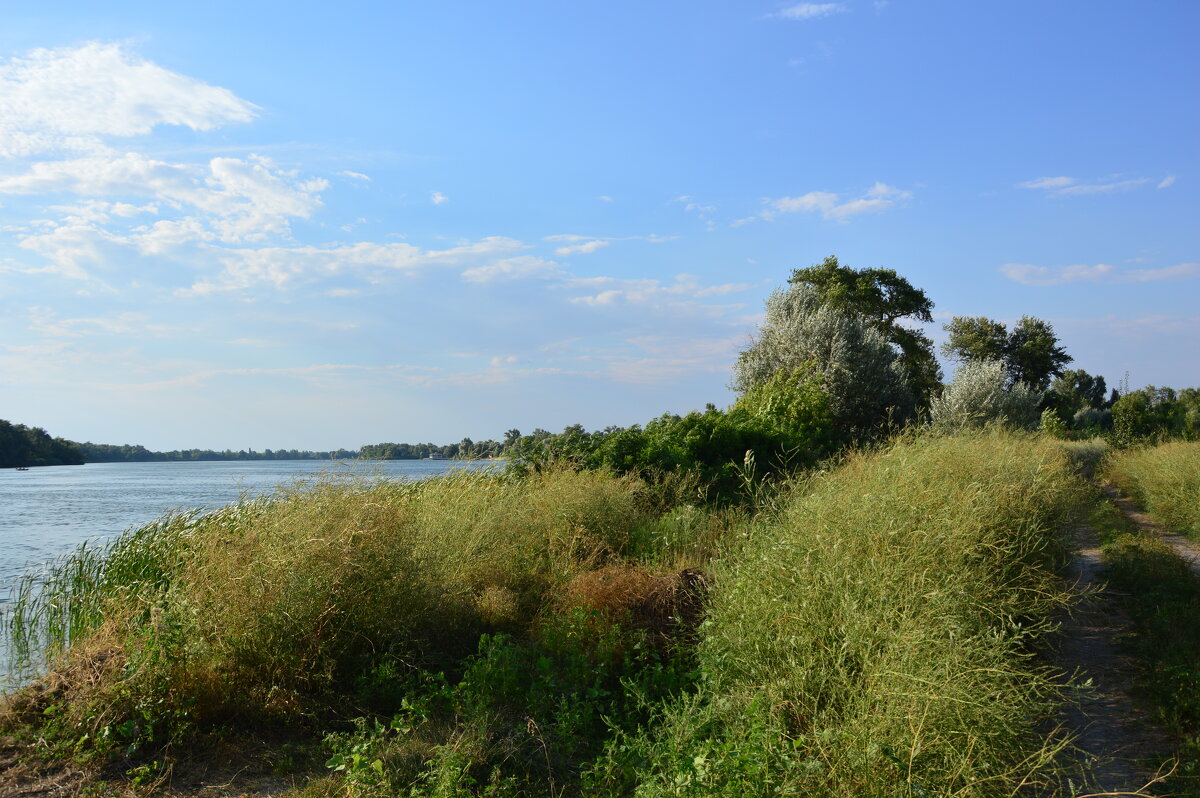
{"x":47,"y":512}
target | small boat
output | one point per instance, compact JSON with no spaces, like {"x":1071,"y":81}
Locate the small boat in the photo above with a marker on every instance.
{"x":22,"y":468}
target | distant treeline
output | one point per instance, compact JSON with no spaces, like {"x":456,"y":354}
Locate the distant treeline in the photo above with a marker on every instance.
{"x":22,"y":446}
{"x":129,"y":453}
{"x":466,"y":449}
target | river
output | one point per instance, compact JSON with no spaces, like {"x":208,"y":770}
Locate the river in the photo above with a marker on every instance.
{"x":48,"y":511}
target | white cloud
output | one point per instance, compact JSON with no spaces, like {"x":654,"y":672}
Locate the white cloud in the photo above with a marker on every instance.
{"x":68,"y":99}
{"x":684,"y":290}
{"x":245,"y":198}
{"x":520,"y":267}
{"x":878,"y":197}
{"x":1101,"y":272}
{"x":604,"y":198}
{"x":1070,"y":186}
{"x":586,"y":248}
{"x":355,"y":175}
{"x":810,"y":10}
{"x":437,"y":198}
{"x":1166,"y":182}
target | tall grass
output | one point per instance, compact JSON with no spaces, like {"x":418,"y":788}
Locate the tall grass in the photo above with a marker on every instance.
{"x":1164,"y":479}
{"x":270,"y":609}
{"x":875,"y":637}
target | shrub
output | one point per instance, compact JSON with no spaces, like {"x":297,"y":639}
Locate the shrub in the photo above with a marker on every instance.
{"x":980,"y":395}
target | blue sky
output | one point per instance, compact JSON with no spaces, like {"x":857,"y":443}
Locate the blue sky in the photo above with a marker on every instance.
{"x":281,"y":225}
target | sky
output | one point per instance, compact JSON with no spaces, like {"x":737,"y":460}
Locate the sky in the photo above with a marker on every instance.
{"x":295,"y":225}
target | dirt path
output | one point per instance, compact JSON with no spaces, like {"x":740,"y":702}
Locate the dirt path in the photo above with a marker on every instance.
{"x":1116,"y":736}
{"x":1187,"y":550}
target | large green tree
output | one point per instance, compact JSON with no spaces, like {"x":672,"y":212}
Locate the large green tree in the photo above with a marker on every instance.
{"x":1030,"y":352}
{"x":884,"y":299}
{"x":850,"y":359}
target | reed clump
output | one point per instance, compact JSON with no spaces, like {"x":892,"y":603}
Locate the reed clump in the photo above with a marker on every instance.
{"x":1165,"y":479}
{"x":874,"y":637}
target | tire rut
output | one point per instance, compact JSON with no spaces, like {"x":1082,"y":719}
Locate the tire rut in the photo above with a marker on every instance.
{"x":1187,"y":550}
{"x":1116,"y":736}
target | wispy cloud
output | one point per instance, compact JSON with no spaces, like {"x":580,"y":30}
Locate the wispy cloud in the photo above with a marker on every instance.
{"x":585,"y":248}
{"x":355,"y":175}
{"x":1166,"y":182}
{"x":1029,"y":274}
{"x":878,"y":197}
{"x":1070,"y":186}
{"x":437,"y":198}
{"x":803,"y":11}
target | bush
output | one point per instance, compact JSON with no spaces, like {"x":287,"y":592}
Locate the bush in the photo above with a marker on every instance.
{"x":980,"y":396}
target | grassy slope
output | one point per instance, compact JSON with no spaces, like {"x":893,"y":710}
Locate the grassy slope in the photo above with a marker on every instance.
{"x":869,"y":635}
{"x":872,"y":637}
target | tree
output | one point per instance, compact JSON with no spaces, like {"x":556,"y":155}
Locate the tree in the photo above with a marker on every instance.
{"x":975,"y":338}
{"x":853,"y":362}
{"x":883,"y":298}
{"x":1075,"y":390}
{"x":1030,"y":353}
{"x":1034,"y":355}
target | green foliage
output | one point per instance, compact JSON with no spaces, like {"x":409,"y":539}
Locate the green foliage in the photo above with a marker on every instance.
{"x":22,"y":446}
{"x":853,"y":362}
{"x":1051,"y":424}
{"x":980,"y":395}
{"x":1074,"y":391}
{"x":1030,"y":352}
{"x":1156,"y":414}
{"x":783,"y":423}
{"x":883,"y":298}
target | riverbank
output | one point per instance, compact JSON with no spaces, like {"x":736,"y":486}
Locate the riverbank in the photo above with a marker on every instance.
{"x":865,"y":631}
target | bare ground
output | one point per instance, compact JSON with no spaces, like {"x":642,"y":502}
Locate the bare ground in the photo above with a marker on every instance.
{"x":1118,"y":741}
{"x":1187,"y":550}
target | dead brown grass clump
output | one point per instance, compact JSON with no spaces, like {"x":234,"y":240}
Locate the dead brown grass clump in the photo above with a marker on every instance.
{"x":668,"y":607}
